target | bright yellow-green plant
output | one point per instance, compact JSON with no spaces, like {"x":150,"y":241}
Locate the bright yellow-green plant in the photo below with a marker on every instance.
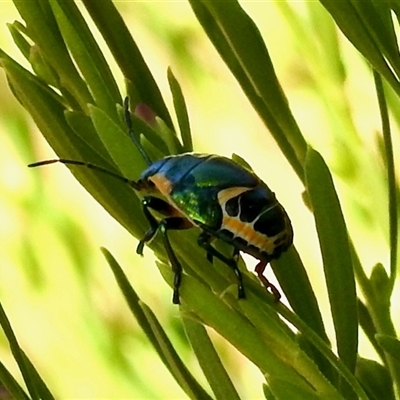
{"x":74,"y":100}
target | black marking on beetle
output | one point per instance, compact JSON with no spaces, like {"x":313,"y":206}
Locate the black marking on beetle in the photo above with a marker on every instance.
{"x":232,"y":206}
{"x":227,"y":233}
{"x":240,"y":242}
{"x":268,"y":223}
{"x":252,"y":204}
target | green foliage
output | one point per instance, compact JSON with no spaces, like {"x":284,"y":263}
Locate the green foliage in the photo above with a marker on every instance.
{"x":75,"y":101}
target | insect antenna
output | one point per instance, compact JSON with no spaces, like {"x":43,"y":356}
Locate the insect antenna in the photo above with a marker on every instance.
{"x":94,"y":167}
{"x":135,"y":140}
{"x":135,"y":185}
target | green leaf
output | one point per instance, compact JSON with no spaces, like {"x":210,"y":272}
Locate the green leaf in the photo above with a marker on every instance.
{"x":268,"y":393}
{"x":381,"y":284}
{"x":241,"y":161}
{"x":155,"y":333}
{"x":18,"y":32}
{"x":41,"y":387}
{"x":375,"y":379}
{"x":87,"y":55}
{"x":35,"y":385}
{"x":209,"y":360}
{"x":288,"y":350}
{"x":295,"y":283}
{"x":389,"y":344}
{"x":367,"y":324}
{"x":181,"y":112}
{"x":177,"y":368}
{"x":42,"y":68}
{"x":11,"y":385}
{"x":377,"y":20}
{"x":238,"y":41}
{"x":151,"y":136}
{"x":356,"y":25}
{"x":83,"y":127}
{"x":391,"y":180}
{"x":335,"y":249}
{"x":128,"y":57}
{"x":168,"y":136}
{"x":228,"y":322}
{"x":116,"y":197}
{"x":324,"y":349}
{"x":119,"y":145}
{"x":283,"y":390}
{"x":50,"y":42}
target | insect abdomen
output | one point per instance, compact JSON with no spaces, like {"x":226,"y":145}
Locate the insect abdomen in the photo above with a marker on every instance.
{"x":255,"y":222}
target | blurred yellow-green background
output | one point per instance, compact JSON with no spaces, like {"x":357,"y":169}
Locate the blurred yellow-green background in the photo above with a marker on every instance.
{"x":55,"y":285}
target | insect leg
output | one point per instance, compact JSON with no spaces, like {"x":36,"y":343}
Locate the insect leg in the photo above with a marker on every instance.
{"x":204,"y":242}
{"x":154,"y":226}
{"x":167,"y":224}
{"x":162,"y":207}
{"x":235,"y":255}
{"x":260,"y":267}
{"x":175,"y":264}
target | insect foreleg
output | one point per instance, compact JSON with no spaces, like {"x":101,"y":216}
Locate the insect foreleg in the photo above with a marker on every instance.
{"x":166,"y":224}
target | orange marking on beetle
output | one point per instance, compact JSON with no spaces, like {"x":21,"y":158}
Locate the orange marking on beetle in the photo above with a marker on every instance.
{"x":163,"y":185}
{"x":247,"y":232}
{"x":230,"y":193}
{"x":232,"y":224}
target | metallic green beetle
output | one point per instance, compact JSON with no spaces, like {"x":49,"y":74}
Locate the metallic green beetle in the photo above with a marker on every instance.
{"x":214,"y":193}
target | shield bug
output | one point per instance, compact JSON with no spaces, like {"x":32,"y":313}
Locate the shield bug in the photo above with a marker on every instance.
{"x":224,"y":199}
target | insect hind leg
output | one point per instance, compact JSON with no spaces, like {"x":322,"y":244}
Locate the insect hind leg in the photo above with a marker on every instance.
{"x":259,"y":270}
{"x":204,"y":242}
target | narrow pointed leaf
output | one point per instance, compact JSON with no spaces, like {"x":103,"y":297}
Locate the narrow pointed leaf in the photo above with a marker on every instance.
{"x":41,"y":387}
{"x":233,"y":326}
{"x":336,"y":256}
{"x":376,"y":379}
{"x":128,"y":56}
{"x":18,"y":355}
{"x":288,"y":349}
{"x":175,"y":365}
{"x":155,"y":333}
{"x":11,"y":385}
{"x":390,"y":345}
{"x":181,"y":112}
{"x":351,"y":24}
{"x":49,"y":40}
{"x":209,"y":361}
{"x":239,"y":43}
{"x":283,"y":390}
{"x":118,"y":144}
{"x":48,"y":114}
{"x":87,"y":55}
